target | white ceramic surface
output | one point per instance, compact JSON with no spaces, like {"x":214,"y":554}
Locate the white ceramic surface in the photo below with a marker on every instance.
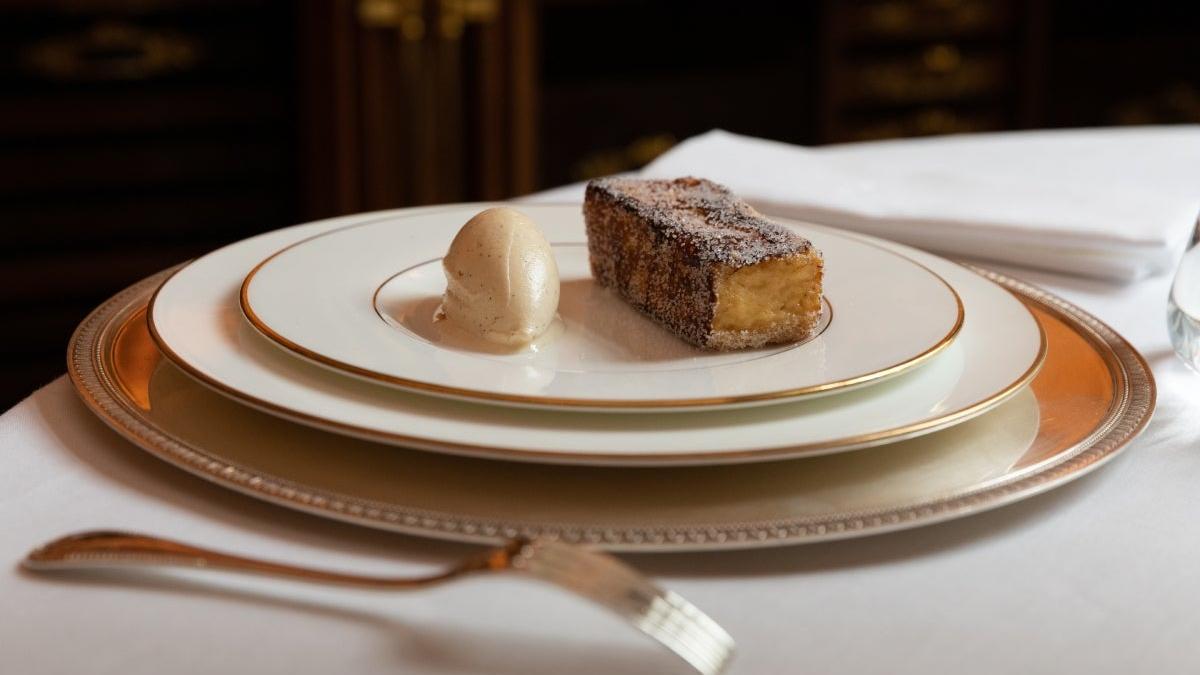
{"x":197,"y":321}
{"x":362,"y":301}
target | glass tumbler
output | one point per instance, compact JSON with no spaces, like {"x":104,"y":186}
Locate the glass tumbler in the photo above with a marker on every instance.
{"x":1183,"y":306}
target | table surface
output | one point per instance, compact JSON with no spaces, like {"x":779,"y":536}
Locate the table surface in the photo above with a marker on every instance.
{"x":1098,"y":576}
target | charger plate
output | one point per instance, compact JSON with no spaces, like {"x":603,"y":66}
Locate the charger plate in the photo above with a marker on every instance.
{"x":1094,"y":394}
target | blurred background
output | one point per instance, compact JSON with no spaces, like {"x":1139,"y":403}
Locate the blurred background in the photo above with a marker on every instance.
{"x":137,"y":134}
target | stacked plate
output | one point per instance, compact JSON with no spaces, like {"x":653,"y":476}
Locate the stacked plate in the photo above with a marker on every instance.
{"x":303,"y":366}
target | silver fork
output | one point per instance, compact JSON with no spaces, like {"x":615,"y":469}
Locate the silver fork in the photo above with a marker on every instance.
{"x":659,"y":613}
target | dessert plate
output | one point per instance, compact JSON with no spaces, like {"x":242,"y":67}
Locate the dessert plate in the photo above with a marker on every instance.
{"x":196,"y":320}
{"x":361,"y":300}
{"x":1092,"y":397}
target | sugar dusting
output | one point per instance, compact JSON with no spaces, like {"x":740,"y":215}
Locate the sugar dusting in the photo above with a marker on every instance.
{"x":703,"y":217}
{"x":664,"y":244}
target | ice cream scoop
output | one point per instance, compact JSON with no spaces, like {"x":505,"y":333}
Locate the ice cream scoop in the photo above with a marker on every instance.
{"x":501,"y":278}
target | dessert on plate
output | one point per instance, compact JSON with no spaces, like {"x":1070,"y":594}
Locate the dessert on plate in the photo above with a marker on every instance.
{"x":702,"y":262}
{"x":501,"y":279}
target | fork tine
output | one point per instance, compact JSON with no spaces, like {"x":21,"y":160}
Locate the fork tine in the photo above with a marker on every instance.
{"x":638,"y":592}
{"x":708,"y":652}
{"x":657,"y":610}
{"x":663,"y":615}
{"x":690,"y":640}
{"x":596,"y":568}
{"x":625,"y":592}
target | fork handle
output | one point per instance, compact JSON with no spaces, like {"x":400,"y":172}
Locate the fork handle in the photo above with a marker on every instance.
{"x":110,"y":549}
{"x":662,"y":615}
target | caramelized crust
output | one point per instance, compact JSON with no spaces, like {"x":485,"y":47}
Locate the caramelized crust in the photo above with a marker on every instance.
{"x":702,"y":262}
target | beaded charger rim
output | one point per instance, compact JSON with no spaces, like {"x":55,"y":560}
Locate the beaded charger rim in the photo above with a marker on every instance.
{"x":91,"y":363}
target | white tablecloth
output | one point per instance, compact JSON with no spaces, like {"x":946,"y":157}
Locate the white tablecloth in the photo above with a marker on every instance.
{"x":1100,"y":576}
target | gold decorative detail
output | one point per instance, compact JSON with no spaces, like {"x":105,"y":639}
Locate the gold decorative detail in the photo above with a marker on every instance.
{"x":454,"y":15}
{"x":923,"y":122}
{"x":937,"y":72}
{"x":638,"y":153}
{"x":112,"y":50}
{"x":941,"y":58}
{"x":408,"y":16}
{"x":906,"y":18}
{"x":1174,"y":104}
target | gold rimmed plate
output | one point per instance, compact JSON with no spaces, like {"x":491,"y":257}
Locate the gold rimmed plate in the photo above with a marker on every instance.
{"x":196,"y":320}
{"x":1091,"y":398}
{"x":361,"y":300}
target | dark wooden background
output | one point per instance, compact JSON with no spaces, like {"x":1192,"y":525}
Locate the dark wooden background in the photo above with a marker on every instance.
{"x":137,"y":134}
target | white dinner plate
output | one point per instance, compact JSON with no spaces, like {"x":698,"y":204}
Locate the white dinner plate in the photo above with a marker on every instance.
{"x":197,"y":322}
{"x":361,"y":300}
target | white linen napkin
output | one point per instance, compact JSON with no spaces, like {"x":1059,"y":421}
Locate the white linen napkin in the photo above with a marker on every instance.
{"x":1114,"y":203}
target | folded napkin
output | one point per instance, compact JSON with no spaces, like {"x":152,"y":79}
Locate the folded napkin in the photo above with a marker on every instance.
{"x":1109,"y":203}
